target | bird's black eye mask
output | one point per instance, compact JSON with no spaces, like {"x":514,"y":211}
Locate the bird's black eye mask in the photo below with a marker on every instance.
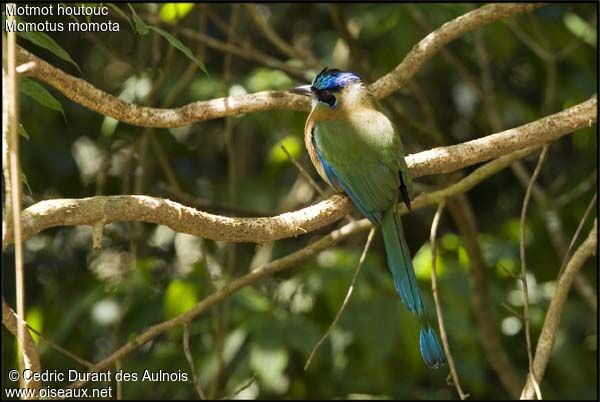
{"x":326,"y":96}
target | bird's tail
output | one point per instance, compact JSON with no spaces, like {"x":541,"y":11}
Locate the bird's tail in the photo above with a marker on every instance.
{"x":405,"y":282}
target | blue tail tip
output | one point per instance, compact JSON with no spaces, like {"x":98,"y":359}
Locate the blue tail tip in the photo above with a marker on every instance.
{"x":431,"y":350}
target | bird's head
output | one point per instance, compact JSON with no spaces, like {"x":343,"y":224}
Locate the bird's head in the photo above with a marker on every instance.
{"x":334,"y":89}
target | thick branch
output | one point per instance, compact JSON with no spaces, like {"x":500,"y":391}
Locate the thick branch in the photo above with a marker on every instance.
{"x":447,"y":159}
{"x":546,"y":341}
{"x":88,"y":211}
{"x":140,"y":208}
{"x":74,"y":212}
{"x":83,"y":93}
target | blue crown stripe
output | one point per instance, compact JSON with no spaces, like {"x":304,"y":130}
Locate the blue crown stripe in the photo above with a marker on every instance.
{"x":334,"y":79}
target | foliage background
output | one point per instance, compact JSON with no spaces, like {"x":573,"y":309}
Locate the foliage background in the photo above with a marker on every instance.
{"x":92,"y":301}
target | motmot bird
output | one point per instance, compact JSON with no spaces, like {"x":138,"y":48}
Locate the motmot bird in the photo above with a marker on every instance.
{"x":356,"y":148}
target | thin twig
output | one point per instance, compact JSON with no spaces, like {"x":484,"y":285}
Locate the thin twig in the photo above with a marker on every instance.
{"x":487,"y":92}
{"x":536,"y":48}
{"x":424,"y":105}
{"x":512,"y":310}
{"x":534,"y":176}
{"x":272,"y":36}
{"x":60,"y":349}
{"x":449,"y":57}
{"x":216,"y":20}
{"x":309,"y":178}
{"x":576,"y":235}
{"x":346,"y":299}
{"x":164,"y":164}
{"x":16,"y":196}
{"x":190,"y":359}
{"x":304,"y":173}
{"x":438,"y":304}
{"x":240,"y":389}
{"x":555,"y":228}
{"x":357,"y":54}
{"x":578,"y":190}
{"x":246,"y":52}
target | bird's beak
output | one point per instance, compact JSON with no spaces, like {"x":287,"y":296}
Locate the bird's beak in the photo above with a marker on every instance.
{"x":302,"y":90}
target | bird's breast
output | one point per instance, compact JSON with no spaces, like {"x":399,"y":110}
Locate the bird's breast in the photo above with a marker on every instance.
{"x":309,"y":132}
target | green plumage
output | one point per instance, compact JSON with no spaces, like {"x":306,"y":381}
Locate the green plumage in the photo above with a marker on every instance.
{"x":362,"y":155}
{"x":356,"y":149}
{"x":362,"y":160}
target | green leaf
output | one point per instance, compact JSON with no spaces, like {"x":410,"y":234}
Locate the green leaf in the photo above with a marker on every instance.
{"x":23,"y":132}
{"x":24,"y":180}
{"x":463,"y":257}
{"x":70,"y":15}
{"x":172,"y":12}
{"x":43,"y":40}
{"x":422,"y":263}
{"x":506,"y":266}
{"x":179,"y":297}
{"x":35,"y":319}
{"x":580,"y":28}
{"x":121,"y":13}
{"x":180,"y":46}
{"x":277,"y":155}
{"x":142,"y":28}
{"x":40,"y":95}
{"x":140,"y":25}
{"x":450,"y":241}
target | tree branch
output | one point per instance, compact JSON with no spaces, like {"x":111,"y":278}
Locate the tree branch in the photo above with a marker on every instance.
{"x":83,"y":93}
{"x":546,"y":340}
{"x":447,"y":159}
{"x":87,"y":211}
{"x":523,"y":220}
{"x":140,"y":208}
